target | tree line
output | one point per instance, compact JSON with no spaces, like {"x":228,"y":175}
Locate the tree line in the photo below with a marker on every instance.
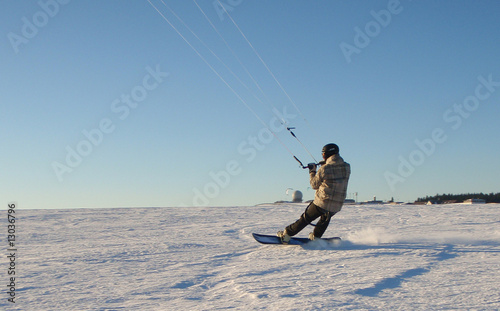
{"x":488,"y":197}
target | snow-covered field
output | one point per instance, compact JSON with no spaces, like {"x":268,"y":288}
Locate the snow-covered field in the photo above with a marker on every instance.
{"x":393,"y":257}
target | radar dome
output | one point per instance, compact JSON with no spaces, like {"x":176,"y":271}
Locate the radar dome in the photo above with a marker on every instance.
{"x":297,"y":196}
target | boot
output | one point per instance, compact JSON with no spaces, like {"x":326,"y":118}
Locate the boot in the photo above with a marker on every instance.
{"x":311,"y":236}
{"x":283,"y":235}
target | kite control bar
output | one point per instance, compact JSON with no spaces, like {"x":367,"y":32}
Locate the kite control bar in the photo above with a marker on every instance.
{"x":307,"y":166}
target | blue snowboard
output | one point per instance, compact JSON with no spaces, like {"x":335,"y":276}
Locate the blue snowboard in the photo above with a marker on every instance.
{"x":273,"y":239}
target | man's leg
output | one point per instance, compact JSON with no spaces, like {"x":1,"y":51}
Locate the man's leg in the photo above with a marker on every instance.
{"x":322,"y":224}
{"x":311,"y":213}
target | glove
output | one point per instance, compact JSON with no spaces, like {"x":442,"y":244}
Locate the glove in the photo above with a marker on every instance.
{"x":311,"y":167}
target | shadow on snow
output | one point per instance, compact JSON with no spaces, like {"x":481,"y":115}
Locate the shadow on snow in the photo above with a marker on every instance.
{"x":394,"y":282}
{"x":444,"y":252}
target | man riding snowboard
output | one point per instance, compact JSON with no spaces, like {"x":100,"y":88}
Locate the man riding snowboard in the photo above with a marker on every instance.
{"x":330,"y":182}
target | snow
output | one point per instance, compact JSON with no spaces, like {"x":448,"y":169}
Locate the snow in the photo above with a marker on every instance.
{"x":392,"y":257}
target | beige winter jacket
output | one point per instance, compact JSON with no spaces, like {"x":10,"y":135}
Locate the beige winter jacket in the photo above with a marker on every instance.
{"x":330,"y":183}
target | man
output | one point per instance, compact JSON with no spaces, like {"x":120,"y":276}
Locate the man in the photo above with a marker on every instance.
{"x":330,"y":182}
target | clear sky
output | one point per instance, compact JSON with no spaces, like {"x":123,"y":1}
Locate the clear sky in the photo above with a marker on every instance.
{"x":103,"y":104}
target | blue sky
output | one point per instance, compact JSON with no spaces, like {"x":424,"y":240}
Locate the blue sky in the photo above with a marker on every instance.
{"x":105,"y":105}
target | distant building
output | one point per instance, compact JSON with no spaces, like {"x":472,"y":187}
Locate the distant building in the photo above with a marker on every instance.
{"x":349,"y":202}
{"x":420,"y":203}
{"x":375,"y":201}
{"x":474,"y":201}
{"x":297,"y":196}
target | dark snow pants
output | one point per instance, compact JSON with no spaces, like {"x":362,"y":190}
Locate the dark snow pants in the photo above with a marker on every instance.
{"x":311,"y":213}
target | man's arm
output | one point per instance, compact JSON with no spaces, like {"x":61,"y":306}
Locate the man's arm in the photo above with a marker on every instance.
{"x":315,"y":178}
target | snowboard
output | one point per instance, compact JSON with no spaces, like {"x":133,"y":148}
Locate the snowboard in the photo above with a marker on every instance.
{"x":273,"y":239}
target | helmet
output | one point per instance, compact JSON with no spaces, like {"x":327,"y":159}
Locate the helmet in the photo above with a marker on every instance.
{"x":329,"y":150}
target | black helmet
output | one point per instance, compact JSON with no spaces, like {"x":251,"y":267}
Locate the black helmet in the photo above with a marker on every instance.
{"x":329,"y":150}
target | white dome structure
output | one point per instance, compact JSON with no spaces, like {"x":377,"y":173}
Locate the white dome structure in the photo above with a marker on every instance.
{"x":297,"y":196}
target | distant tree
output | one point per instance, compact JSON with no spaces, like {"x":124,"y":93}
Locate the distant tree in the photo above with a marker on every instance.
{"x":489,"y":198}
